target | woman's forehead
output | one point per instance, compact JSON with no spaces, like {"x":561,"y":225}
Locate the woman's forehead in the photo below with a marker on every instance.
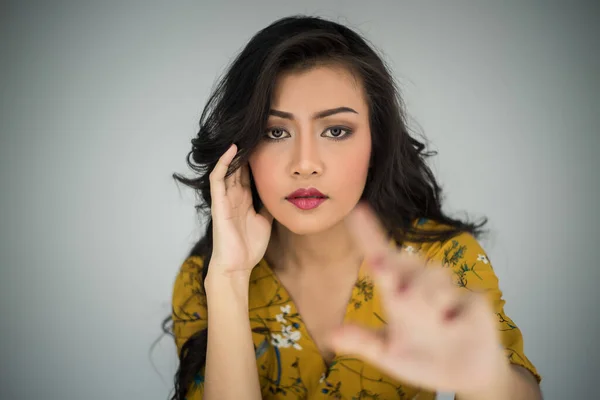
{"x":317,"y":88}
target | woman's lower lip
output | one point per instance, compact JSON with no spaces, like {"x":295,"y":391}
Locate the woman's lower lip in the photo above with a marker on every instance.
{"x":307,"y":203}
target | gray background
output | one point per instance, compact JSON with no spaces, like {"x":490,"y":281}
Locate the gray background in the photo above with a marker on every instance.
{"x":100,"y":101}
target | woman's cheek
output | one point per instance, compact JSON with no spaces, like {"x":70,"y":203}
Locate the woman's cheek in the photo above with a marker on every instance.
{"x":263,"y":172}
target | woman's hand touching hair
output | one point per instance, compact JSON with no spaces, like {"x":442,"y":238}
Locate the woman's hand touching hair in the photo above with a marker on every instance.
{"x":240,"y":234}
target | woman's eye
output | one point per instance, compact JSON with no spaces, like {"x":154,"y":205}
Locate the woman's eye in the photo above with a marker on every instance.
{"x":337,"y":132}
{"x":276,"y":133}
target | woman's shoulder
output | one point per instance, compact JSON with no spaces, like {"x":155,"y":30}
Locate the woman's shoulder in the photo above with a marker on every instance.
{"x":189,"y":279}
{"x":437,"y":249}
{"x":189,"y":307}
{"x":191,"y":267}
{"x":192,"y":263}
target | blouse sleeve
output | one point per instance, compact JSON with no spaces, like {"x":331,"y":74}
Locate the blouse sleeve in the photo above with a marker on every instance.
{"x":472,"y":270}
{"x":189,"y":313}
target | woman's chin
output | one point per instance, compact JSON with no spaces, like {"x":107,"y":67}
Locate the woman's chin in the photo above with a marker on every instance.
{"x":306,"y":225}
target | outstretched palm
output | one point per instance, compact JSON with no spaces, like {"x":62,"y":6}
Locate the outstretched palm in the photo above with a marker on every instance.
{"x":436,"y":336}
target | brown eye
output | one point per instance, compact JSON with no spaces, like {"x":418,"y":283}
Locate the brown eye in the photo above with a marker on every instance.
{"x":276,"y":133}
{"x":337,"y":132}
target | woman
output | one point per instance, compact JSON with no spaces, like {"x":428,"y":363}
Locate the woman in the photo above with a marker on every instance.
{"x":328,"y":269}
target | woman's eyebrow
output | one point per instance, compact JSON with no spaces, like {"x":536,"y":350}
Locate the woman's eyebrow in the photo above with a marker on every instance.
{"x":317,"y":115}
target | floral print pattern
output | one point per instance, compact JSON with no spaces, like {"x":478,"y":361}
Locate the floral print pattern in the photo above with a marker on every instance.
{"x":289,"y":363}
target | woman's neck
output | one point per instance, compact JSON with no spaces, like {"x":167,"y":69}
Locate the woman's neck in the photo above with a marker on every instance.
{"x":330,"y":251}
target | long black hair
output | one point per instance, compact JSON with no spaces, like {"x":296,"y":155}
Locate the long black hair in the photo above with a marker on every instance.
{"x":400,"y":186}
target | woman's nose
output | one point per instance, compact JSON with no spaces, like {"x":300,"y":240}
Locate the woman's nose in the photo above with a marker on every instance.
{"x":306,"y":161}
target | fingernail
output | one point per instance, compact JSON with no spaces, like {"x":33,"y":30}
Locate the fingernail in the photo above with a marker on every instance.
{"x":449,"y":315}
{"x":403,"y":287}
{"x":454,"y":312}
{"x":377,"y":263}
{"x":405,"y":283}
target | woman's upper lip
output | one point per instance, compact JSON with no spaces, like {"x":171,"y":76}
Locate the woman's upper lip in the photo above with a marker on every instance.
{"x":305,"y":192}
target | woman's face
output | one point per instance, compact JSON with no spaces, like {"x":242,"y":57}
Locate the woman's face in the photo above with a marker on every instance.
{"x":317,"y":136}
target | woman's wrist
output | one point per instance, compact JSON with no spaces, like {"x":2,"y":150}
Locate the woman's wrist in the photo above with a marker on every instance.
{"x":231,"y":286}
{"x":498,"y":389}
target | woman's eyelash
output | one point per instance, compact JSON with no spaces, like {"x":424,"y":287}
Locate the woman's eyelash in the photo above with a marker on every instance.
{"x":275,"y":129}
{"x":345,"y":132}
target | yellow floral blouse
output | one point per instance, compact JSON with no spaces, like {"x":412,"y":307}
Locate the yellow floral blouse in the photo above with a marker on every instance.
{"x":289,"y":363}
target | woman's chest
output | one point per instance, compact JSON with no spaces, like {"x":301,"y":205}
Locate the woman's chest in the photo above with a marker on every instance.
{"x":292,"y":324}
{"x":322,"y":308}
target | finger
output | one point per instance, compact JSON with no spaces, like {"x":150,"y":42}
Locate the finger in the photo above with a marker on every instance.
{"x":368,"y":344}
{"x":431,"y":285}
{"x":245,"y":175}
{"x":217,"y":176}
{"x":467,"y":306}
{"x":375,"y":243}
{"x":374,"y":347}
{"x":423,"y":299}
{"x":474,"y":321}
{"x":369,"y":234}
{"x":438,"y":290}
{"x":390,"y":268}
{"x":396,"y":278}
{"x":412,"y":269}
{"x":233,"y":180}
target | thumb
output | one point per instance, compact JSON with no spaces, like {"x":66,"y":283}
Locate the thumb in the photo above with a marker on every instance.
{"x":366,"y":343}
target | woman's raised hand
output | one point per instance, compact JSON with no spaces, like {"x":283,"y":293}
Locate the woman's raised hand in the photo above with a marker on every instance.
{"x":437,"y":336}
{"x":240,"y":235}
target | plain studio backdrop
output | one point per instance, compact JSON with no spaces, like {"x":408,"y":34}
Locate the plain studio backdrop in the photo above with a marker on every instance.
{"x":99,"y":104}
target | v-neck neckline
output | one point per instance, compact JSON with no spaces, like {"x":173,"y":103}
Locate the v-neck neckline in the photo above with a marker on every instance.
{"x":349,"y":309}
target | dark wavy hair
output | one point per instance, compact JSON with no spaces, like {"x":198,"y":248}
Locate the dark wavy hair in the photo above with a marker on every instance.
{"x":400,"y":186}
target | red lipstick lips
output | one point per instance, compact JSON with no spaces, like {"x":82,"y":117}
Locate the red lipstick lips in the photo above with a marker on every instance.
{"x":306,"y":199}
